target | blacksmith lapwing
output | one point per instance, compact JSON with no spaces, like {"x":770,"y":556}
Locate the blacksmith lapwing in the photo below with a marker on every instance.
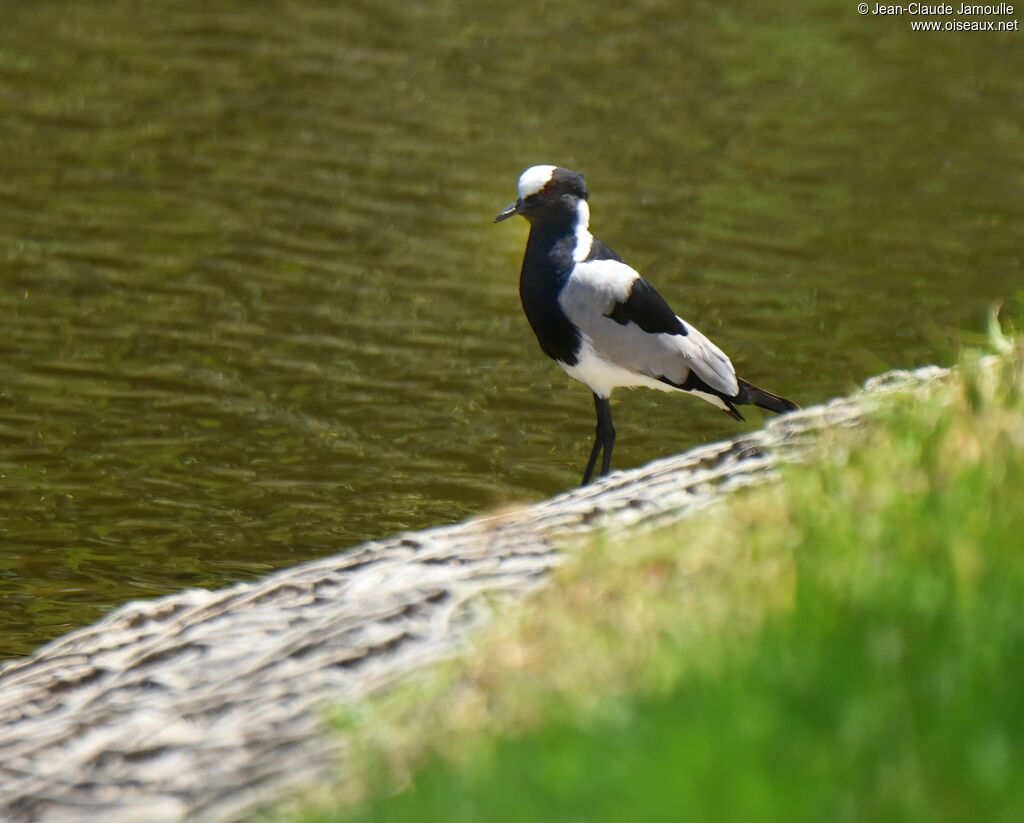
{"x":604,"y":323}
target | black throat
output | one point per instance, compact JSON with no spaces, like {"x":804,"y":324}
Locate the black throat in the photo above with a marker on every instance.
{"x":547,"y":264}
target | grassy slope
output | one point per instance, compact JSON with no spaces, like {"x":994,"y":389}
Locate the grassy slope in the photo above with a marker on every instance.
{"x":848,"y":645}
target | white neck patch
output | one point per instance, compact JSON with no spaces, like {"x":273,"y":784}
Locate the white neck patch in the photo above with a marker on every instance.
{"x":584,"y":239}
{"x":534,"y":179}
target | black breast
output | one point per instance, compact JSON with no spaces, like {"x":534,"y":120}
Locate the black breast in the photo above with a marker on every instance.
{"x":547,"y":265}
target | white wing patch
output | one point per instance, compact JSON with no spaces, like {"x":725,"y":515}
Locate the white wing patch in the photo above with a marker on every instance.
{"x":597,"y":284}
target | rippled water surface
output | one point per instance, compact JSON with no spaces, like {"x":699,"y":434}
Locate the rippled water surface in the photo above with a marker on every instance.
{"x":253,"y":309}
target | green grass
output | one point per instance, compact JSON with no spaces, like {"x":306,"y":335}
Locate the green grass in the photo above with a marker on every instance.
{"x":845,"y":646}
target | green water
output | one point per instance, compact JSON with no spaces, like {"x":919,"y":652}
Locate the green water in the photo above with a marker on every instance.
{"x":253,"y":309}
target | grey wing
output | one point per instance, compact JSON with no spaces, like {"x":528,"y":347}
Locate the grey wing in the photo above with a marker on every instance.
{"x":631,"y":326}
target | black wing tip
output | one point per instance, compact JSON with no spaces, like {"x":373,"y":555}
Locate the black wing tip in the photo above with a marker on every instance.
{"x":733,"y":412}
{"x":693,"y":384}
{"x":749,"y":393}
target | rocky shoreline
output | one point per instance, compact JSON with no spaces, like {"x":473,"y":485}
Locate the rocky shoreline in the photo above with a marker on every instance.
{"x":208,"y":705}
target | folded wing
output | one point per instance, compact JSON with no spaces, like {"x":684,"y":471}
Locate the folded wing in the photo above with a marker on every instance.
{"x":632,"y":326}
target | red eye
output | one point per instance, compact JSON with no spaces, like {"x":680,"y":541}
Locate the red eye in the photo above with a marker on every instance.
{"x":549,"y":188}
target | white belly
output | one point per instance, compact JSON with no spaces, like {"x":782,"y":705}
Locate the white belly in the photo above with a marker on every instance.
{"x":602,"y":376}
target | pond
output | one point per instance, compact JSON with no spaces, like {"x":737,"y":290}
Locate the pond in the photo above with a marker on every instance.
{"x":253,"y":309}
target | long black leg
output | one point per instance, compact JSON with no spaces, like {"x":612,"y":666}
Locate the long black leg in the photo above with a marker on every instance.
{"x":594,"y":452}
{"x":604,"y":438}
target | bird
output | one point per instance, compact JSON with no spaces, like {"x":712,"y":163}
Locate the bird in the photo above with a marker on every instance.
{"x":604,"y":323}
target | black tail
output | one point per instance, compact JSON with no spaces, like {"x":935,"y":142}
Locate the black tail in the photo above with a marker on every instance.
{"x":751,"y":394}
